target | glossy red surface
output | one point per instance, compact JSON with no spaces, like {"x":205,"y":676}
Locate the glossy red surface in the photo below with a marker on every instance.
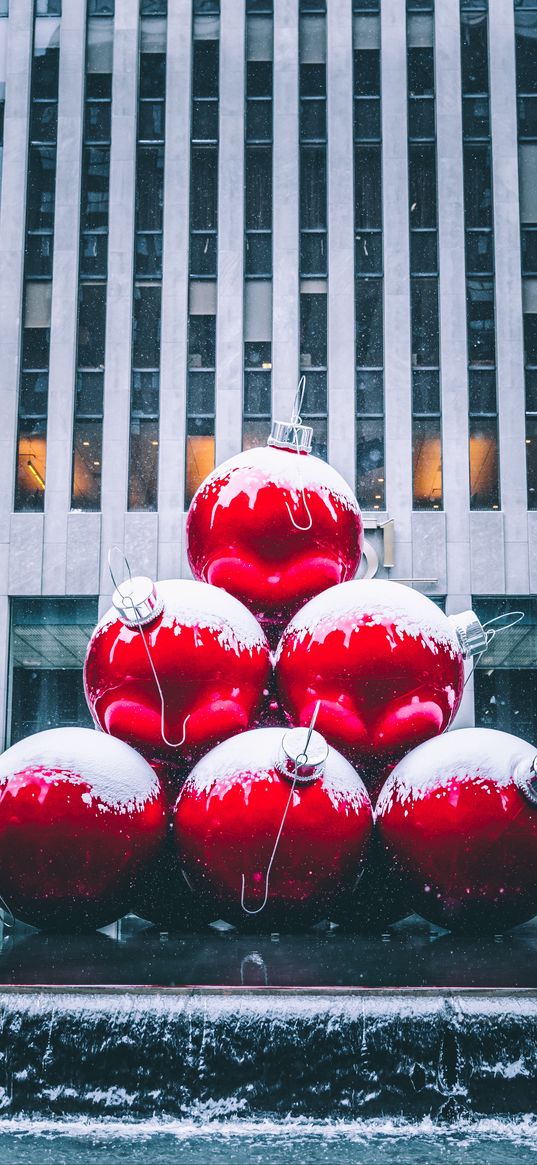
{"x":383,"y":690}
{"x":226,"y":822}
{"x":461,"y":834}
{"x":68,"y":860}
{"x":240,"y":535}
{"x":212,"y":683}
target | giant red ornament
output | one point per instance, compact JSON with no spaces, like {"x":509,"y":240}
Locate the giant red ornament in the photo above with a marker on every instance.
{"x":274,"y":526}
{"x":229,"y":814}
{"x":385,"y":662}
{"x":458,"y":820}
{"x":174,"y":667}
{"x":81,"y":814}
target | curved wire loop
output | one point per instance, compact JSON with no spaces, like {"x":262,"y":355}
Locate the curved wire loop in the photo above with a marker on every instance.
{"x":127,"y":599}
{"x":492,"y":628}
{"x":296,"y":420}
{"x":299,"y":760}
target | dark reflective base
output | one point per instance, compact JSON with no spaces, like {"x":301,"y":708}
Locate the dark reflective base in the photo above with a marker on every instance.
{"x":410,"y":954}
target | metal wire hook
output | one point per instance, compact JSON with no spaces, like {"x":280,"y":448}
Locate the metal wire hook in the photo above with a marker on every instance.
{"x":302,"y":490}
{"x":296,"y":418}
{"x":300,"y":759}
{"x":111,"y":572}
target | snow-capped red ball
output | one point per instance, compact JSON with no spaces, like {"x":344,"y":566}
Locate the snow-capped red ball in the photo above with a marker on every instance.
{"x":385,"y":662}
{"x":228,"y":817}
{"x":80,"y":815}
{"x":274,"y":527}
{"x":174,"y":667}
{"x":458,"y":820}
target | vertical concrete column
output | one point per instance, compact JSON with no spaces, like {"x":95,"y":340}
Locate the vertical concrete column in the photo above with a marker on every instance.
{"x":341,"y":341}
{"x":452,"y":295}
{"x":397,"y":380}
{"x":229,"y":305}
{"x":285,"y":240}
{"x":63,"y":330}
{"x":509,"y":334}
{"x":12,"y":225}
{"x":117,"y":377}
{"x":173,"y":349}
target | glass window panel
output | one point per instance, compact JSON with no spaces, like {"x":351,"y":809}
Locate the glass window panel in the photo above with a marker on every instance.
{"x":97,"y":122}
{"x":526,"y":27}
{"x":531,"y":461}
{"x":257,"y":354}
{"x":313,"y":120}
{"x":201,"y":341}
{"x":100,"y":7}
{"x":313,"y":80}
{"x":315,"y":394}
{"x":479,"y":252}
{"x":203,"y":188}
{"x":255,"y":434}
{"x":38,"y":256}
{"x":481,"y":329}
{"x":199,"y":455}
{"x":31,"y":465}
{"x":421,"y":118}
{"x":501,"y":700}
{"x":203,"y":255}
{"x":91,"y":325}
{"x":319,"y":445}
{"x":474,"y":53}
{"x":527,"y":117}
{"x":369,"y":391}
{"x":143,"y":465}
{"x":95,"y":189}
{"x":258,"y":188}
{"x":366,"y":72}
{"x":151,"y":116}
{"x":484,"y":483}
{"x":145,"y":394}
{"x":367,"y":188}
{"x":259,"y":120}
{"x":531,"y":390}
{"x":482,"y":390}
{"x":423,"y":252}
{"x":259,"y":254}
{"x":370,"y":463}
{"x":259,"y":78}
{"x":424,"y":300}
{"x":425,"y":391}
{"x":368,"y":252}
{"x":40,"y":188}
{"x":257,"y":393}
{"x":146,"y":327}
{"x":529,"y":252}
{"x":149,"y":188}
{"x":530,"y":337}
{"x":475,"y":117}
{"x":313,"y":188}
{"x":89,"y":394}
{"x":205,"y":120}
{"x":200,"y":398}
{"x":45,"y":74}
{"x":152,"y":81}
{"x":148,"y":256}
{"x":99,"y":84}
{"x":87,"y":465}
{"x":43,"y":121}
{"x":313,"y":254}
{"x":205,"y":68}
{"x":33,"y":394}
{"x":313,"y":324}
{"x":35,"y":348}
{"x":477,"y":186}
{"x":366,"y":118}
{"x":94,"y":256}
{"x":420,"y":72}
{"x":422,"y":185}
{"x":369,"y":333}
{"x":427,"y":464}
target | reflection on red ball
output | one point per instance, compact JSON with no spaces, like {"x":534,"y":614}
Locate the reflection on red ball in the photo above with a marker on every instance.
{"x":212,"y":661}
{"x":227,"y":819}
{"x":242,"y":530}
{"x":80,"y":815}
{"x":458,"y":819}
{"x":384,"y":661}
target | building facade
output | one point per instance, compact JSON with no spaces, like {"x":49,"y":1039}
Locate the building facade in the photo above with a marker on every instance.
{"x":201,"y":201}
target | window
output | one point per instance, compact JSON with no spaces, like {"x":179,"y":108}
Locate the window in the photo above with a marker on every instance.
{"x":313,"y":147}
{"x":48,"y":640}
{"x":313,"y":364}
{"x":424,"y":276}
{"x":526,"y":80}
{"x":507,"y":670}
{"x":39,"y":242}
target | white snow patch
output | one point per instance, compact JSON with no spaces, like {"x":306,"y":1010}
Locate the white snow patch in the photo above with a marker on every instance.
{"x":289,"y":470}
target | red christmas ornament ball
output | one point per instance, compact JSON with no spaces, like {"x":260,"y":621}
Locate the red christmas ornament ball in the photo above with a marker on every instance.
{"x":80,"y":815}
{"x":458,"y":820}
{"x":274,"y":527}
{"x":385,"y":663}
{"x":210,"y":655}
{"x":229,"y":813}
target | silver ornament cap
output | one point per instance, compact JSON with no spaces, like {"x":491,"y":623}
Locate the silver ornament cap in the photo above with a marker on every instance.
{"x":470,"y":633}
{"x":526,"y":779}
{"x":136,"y":601}
{"x":300,"y":757}
{"x":288,"y":435}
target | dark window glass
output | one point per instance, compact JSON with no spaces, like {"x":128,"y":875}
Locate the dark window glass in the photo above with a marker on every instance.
{"x":526,"y":27}
{"x":39,"y":256}
{"x":203,"y":255}
{"x":148,"y":256}
{"x":366,"y":72}
{"x":474,"y":52}
{"x":94,"y":256}
{"x":145,"y":394}
{"x":530,"y":337}
{"x":205,"y":68}
{"x":203,"y":189}
{"x":313,"y":188}
{"x":529,"y":251}
{"x":97,"y":121}
{"x":205,"y":120}
{"x":313,"y":336}
{"x":95,"y":189}
{"x":369,"y":391}
{"x":313,"y":80}
{"x":200,"y":393}
{"x":89,"y":394}
{"x":421,"y":119}
{"x":527,"y":117}
{"x":259,"y":78}
{"x":424,"y":252}
{"x":40,"y":188}
{"x":479,"y":252}
{"x":313,"y":120}
{"x":152,"y":82}
{"x":91,"y":325}
{"x":146,"y":327}
{"x":149,"y":188}
{"x":422,"y":186}
{"x":45,"y":75}
{"x":370,"y":462}
{"x":482,"y":390}
{"x":420,"y":72}
{"x":35,"y":348}
{"x":424,"y":300}
{"x":477,"y":186}
{"x":202,"y":341}
{"x":258,"y":209}
{"x":258,"y":256}
{"x":531,"y":460}
{"x":366,"y":119}
{"x":44,"y":121}
{"x":100,"y":7}
{"x":425,"y":391}
{"x":369,"y":346}
{"x":475,"y":117}
{"x":367,"y":187}
{"x":480,"y":312}
{"x":143,"y":467}
{"x":368,"y":253}
{"x":484,"y":470}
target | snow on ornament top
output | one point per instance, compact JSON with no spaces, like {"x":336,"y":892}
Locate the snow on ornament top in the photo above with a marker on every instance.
{"x":117,"y":776}
{"x":283,"y":468}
